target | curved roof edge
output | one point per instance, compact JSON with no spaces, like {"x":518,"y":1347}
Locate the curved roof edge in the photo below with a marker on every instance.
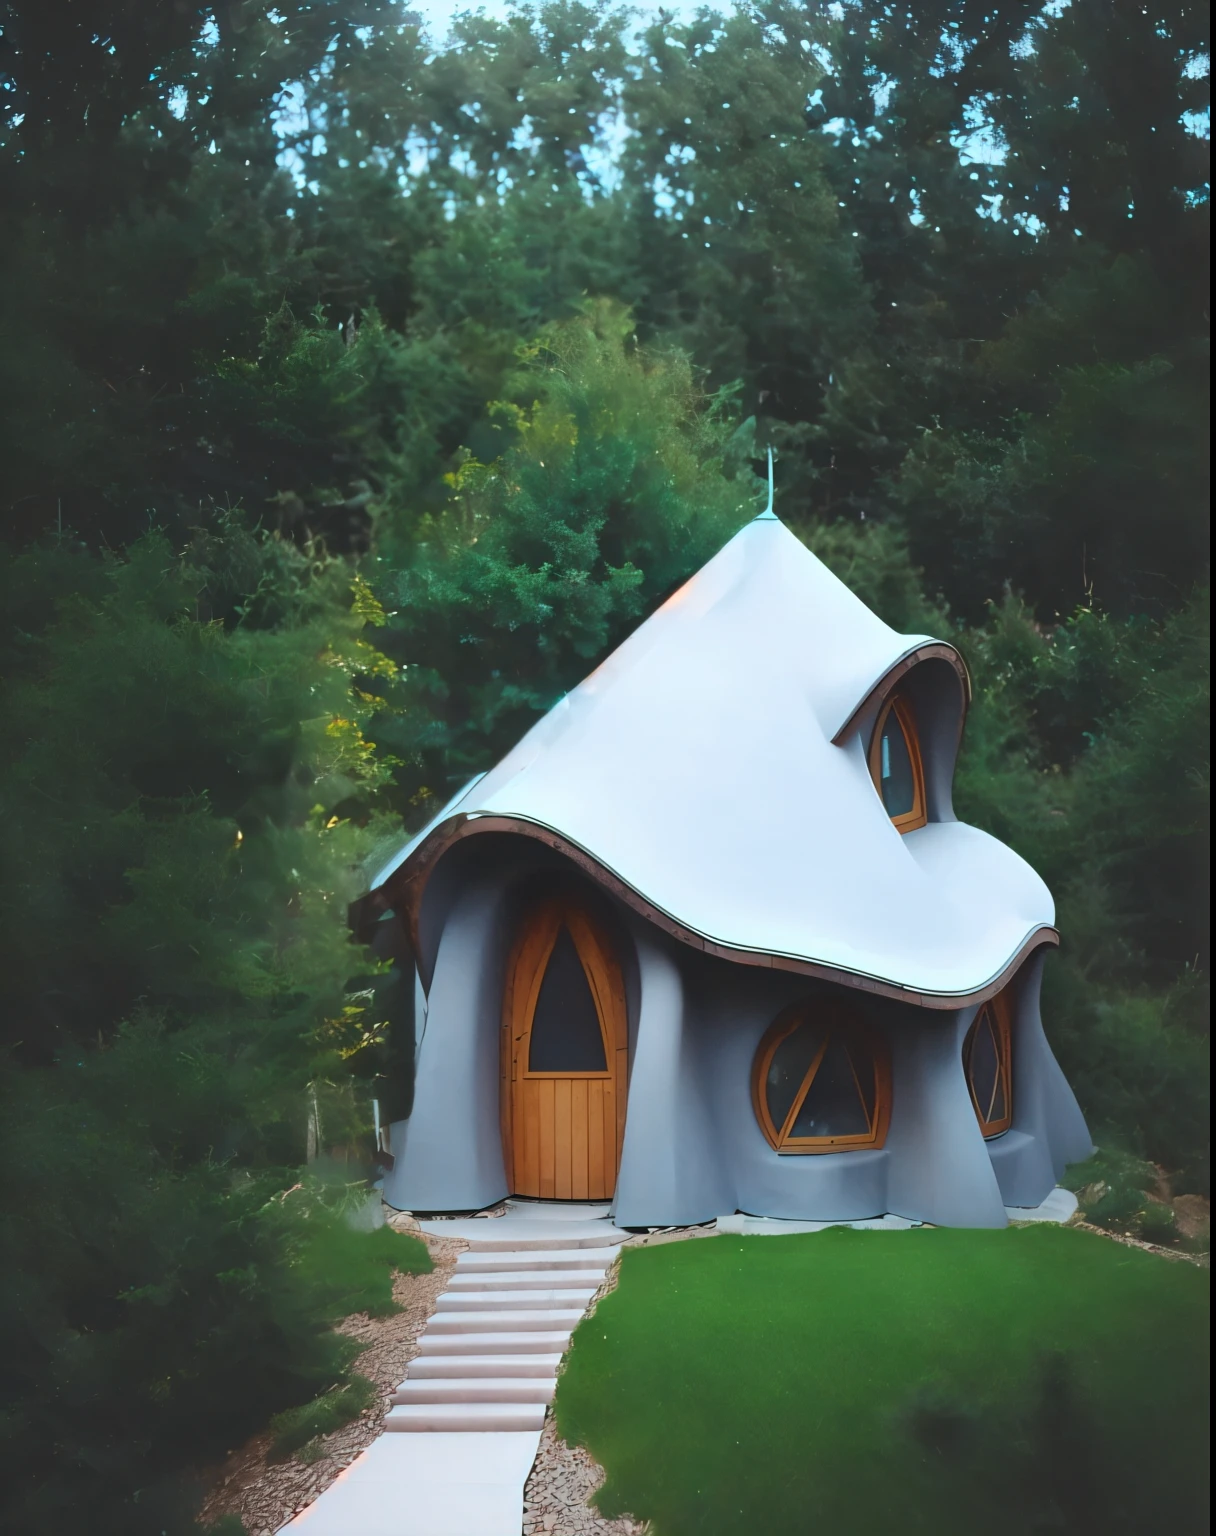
{"x":933,"y":650}
{"x":408,"y":881}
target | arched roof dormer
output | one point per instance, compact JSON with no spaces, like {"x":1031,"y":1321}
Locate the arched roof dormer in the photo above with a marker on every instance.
{"x":925,"y":696}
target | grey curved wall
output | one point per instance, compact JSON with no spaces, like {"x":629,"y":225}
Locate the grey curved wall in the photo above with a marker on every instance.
{"x":693,"y":1149}
{"x":701,"y":1152}
{"x":935,"y":692}
{"x":739,"y":1007}
{"x":940,"y":1168}
{"x":671,"y":1170}
{"x":1048,"y":1130}
{"x":448,"y":1155}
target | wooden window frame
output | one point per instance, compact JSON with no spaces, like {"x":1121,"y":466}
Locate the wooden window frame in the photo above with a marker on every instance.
{"x":918,"y":816}
{"x":1000,"y":1010}
{"x":836,"y":1018}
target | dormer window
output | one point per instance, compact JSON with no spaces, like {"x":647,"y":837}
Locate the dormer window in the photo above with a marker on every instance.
{"x":895,"y":765}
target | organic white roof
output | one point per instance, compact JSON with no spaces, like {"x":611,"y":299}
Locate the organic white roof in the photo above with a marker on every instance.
{"x":697,"y":765}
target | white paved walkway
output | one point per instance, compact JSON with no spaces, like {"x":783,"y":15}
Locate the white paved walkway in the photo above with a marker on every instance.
{"x":465,"y":1423}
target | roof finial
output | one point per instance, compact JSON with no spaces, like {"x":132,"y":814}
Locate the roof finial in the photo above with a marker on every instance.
{"x":768,"y":511}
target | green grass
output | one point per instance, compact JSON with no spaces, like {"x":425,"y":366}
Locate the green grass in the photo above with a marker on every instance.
{"x":344,"y":1272}
{"x":298,"y":1426}
{"x":1034,"y":1380}
{"x":348,"y":1271}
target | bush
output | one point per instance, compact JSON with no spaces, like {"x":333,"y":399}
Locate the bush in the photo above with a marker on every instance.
{"x":1158,"y":1224}
{"x":1118,"y":1209}
{"x":1114,"y":1190}
{"x":154,"y":1316}
{"x":297,"y":1426}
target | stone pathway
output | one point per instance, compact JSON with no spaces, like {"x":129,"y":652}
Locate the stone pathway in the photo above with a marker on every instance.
{"x":465,"y":1425}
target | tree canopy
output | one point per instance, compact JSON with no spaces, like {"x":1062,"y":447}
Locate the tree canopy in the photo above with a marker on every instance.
{"x":359,"y":391}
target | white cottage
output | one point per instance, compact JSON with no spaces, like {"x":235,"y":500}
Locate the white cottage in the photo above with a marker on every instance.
{"x":711,"y":939}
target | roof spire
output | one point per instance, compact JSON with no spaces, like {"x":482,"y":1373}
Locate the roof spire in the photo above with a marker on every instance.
{"x":768,"y":511}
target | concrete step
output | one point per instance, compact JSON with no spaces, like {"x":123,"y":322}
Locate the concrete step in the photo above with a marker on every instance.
{"x":519,"y":1209}
{"x":475,"y":1389}
{"x":520,"y":1236}
{"x":547,"y":1320}
{"x":525,"y":1280}
{"x":465,"y":1416}
{"x":552,"y":1342}
{"x":536,"y":1258}
{"x":440,"y":1367}
{"x":513,"y":1301}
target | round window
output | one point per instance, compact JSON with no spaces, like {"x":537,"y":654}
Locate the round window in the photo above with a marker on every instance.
{"x":822,"y":1081}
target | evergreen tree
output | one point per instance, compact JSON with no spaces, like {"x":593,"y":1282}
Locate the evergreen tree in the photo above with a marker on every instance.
{"x":619,"y":481}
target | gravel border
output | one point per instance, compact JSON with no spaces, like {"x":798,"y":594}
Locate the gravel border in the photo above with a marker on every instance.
{"x":1200,"y":1260}
{"x":559,"y":1488}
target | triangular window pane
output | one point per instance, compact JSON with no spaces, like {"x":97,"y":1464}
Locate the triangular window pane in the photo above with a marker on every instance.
{"x":863,"y":1070}
{"x":897,"y":781}
{"x":791,"y":1062}
{"x":984,"y":1068}
{"x":566,"y":1033}
{"x":833,"y":1105}
{"x":998,"y":1111}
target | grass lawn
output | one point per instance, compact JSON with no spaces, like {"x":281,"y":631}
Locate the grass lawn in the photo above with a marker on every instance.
{"x":847,"y":1383}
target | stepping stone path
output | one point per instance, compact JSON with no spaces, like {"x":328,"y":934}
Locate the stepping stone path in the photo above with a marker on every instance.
{"x":464,"y":1426}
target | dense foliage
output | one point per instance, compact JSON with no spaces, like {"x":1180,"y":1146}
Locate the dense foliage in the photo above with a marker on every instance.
{"x":357,"y":393}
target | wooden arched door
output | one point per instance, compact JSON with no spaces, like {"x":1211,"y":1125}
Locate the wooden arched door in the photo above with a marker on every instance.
{"x":564,"y":1055}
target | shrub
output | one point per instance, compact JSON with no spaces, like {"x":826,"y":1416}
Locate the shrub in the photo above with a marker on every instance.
{"x":297,"y":1426}
{"x":1158,"y":1224}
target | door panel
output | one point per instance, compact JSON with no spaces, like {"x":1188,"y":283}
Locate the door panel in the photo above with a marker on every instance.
{"x":562,"y":1127}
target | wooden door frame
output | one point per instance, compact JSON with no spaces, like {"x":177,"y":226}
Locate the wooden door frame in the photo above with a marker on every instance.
{"x":526,"y":964}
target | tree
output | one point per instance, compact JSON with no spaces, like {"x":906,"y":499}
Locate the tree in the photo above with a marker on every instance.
{"x":614,"y":487}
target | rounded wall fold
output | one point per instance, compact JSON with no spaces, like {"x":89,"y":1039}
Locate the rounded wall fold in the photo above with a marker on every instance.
{"x":671,"y":1171}
{"x":448,"y":1155}
{"x":1048,"y":1130}
{"x":940,"y":1168}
